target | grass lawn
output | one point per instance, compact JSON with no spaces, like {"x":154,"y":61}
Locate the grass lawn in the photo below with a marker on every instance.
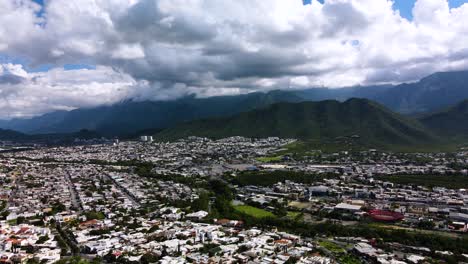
{"x":349,"y":259}
{"x":331,"y":246}
{"x":293,"y":215}
{"x":269,"y":159}
{"x":253,"y":211}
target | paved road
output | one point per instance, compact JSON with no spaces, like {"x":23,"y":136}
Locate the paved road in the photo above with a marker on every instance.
{"x":129,"y":195}
{"x":75,"y":198}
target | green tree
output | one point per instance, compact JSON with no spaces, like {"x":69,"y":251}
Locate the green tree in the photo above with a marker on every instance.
{"x":202,"y":203}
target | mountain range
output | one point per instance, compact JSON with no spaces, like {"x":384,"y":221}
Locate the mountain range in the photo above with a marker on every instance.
{"x":130,"y":117}
{"x":360,"y":119}
{"x":450,"y":123}
{"x":432,"y":99}
{"x":59,"y":138}
{"x":432,"y":93}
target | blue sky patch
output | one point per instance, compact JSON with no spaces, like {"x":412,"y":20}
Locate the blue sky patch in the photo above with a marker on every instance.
{"x":406,"y":6}
{"x":69,"y":67}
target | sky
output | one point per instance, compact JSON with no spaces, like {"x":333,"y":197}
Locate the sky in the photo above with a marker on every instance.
{"x":67,"y":54}
{"x":406,"y":6}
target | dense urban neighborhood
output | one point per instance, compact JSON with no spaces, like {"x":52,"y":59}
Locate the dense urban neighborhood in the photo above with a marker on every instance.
{"x":233,"y":200}
{"x":234,"y":132}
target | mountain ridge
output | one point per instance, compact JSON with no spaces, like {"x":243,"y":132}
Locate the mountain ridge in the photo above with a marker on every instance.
{"x":325,"y":120}
{"x":451,"y":122}
{"x":129,"y":117}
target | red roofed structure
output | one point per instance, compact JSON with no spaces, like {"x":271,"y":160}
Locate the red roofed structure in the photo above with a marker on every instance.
{"x":385,"y":216}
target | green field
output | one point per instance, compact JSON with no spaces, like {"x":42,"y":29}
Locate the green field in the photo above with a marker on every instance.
{"x":295,"y":215}
{"x":331,"y":246}
{"x":349,"y":259}
{"x":269,"y":159}
{"x":448,"y":181}
{"x":253,"y":211}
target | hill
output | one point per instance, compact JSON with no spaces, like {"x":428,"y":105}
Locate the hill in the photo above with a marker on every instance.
{"x":450,"y":123}
{"x":58,"y":138}
{"x":10,"y":135}
{"x":372,"y":123}
{"x":437,"y":91}
{"x":130,"y":117}
{"x":434,"y":92}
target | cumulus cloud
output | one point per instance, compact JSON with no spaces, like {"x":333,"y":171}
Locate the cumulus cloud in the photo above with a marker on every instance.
{"x":163,"y":49}
{"x":35,"y":93}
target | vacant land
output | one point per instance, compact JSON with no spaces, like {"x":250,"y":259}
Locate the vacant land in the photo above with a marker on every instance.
{"x":456,"y":181}
{"x":253,"y":211}
{"x":299,"y":205}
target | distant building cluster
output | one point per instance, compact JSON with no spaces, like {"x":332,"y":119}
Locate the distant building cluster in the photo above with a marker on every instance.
{"x":146,"y":139}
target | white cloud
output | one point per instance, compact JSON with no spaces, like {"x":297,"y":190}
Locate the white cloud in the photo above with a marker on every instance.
{"x":42,"y":92}
{"x":13,"y":69}
{"x":18,"y":22}
{"x":128,"y":52}
{"x":209,"y":47}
